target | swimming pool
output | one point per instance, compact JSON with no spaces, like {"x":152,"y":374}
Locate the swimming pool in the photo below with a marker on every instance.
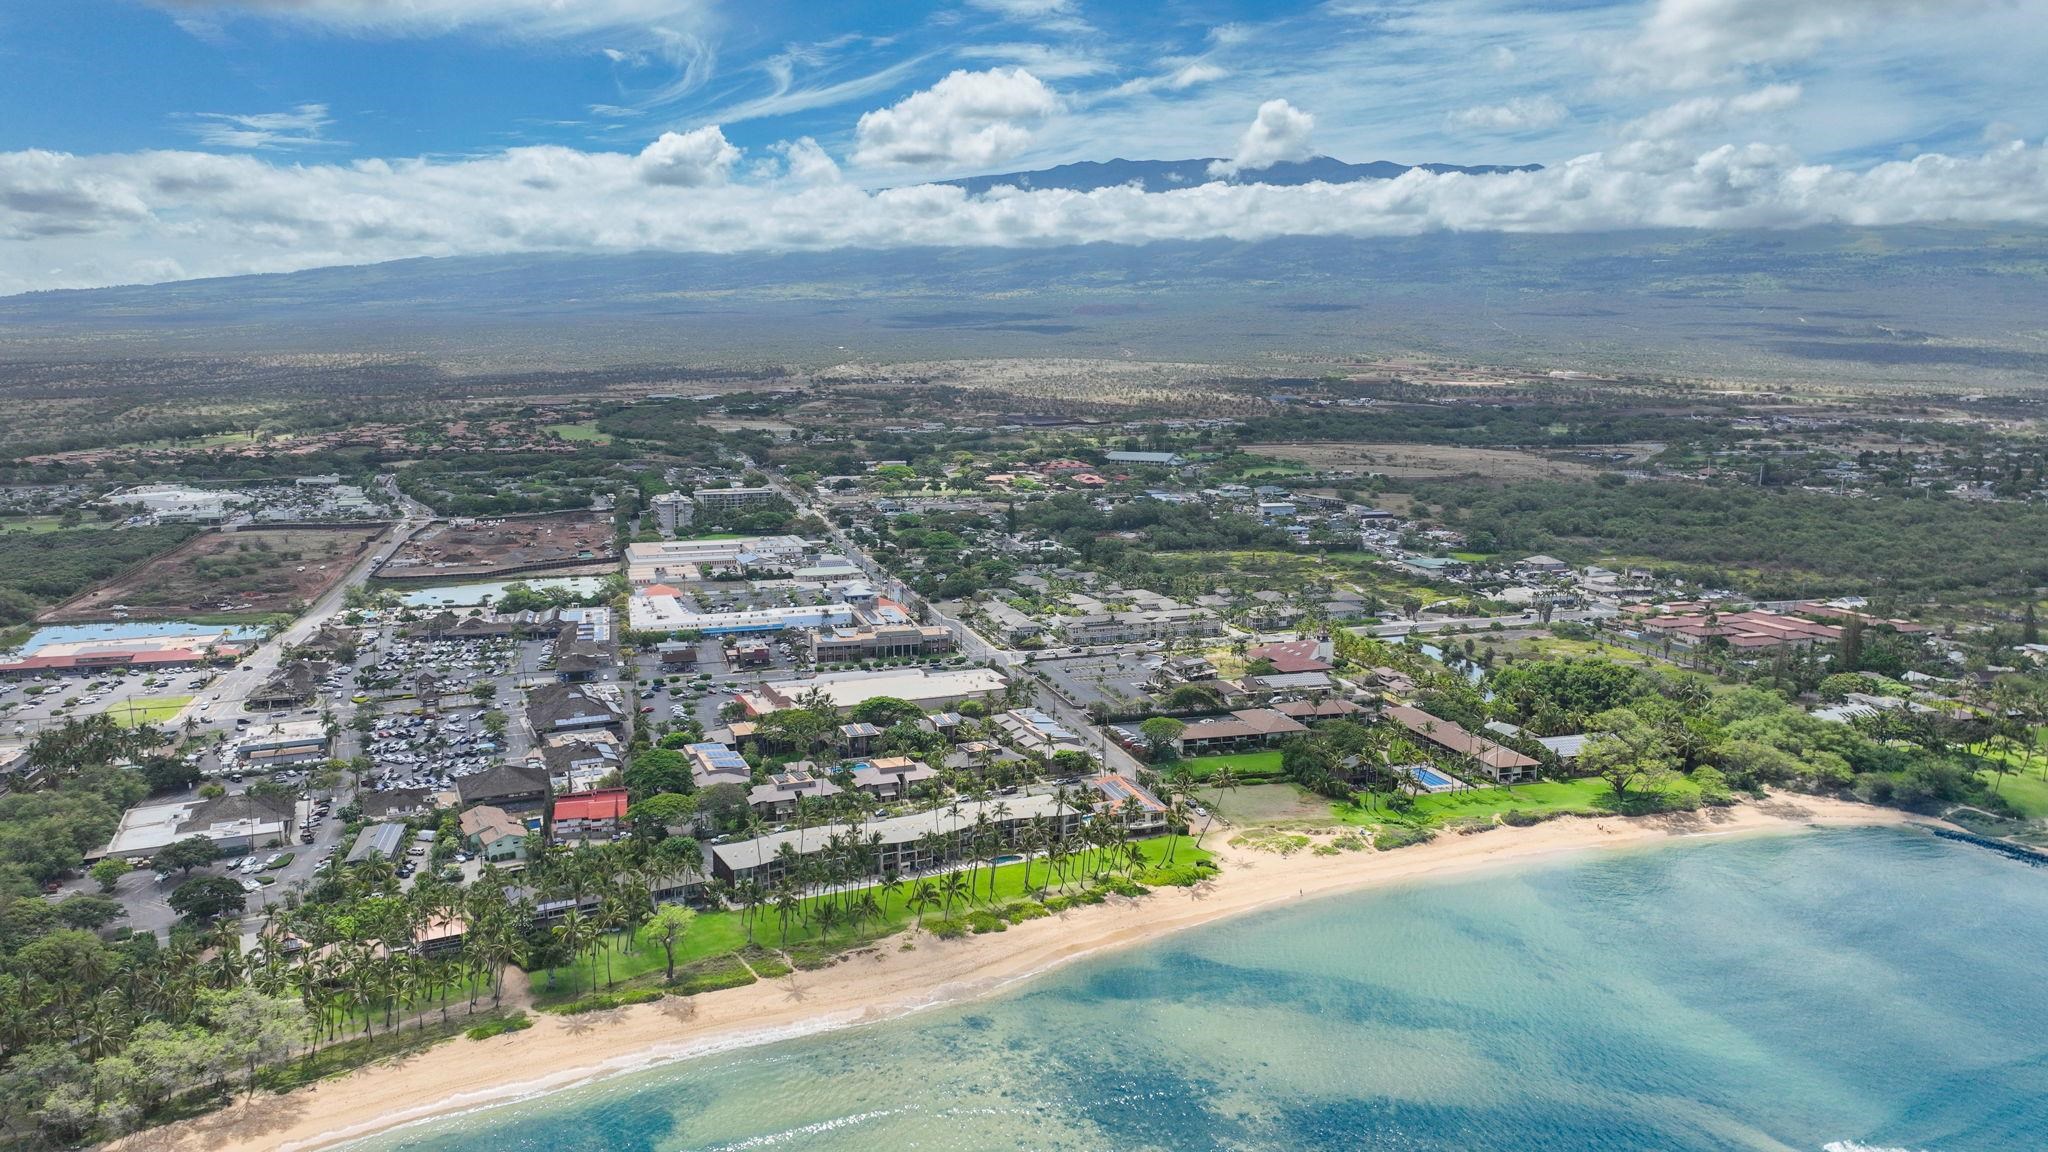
{"x":1433,"y":780}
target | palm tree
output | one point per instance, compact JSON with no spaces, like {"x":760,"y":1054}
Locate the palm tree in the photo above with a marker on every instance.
{"x":826,"y":914}
{"x":574,"y":934}
{"x":610,"y":920}
{"x":922,"y":897}
{"x":952,"y":886}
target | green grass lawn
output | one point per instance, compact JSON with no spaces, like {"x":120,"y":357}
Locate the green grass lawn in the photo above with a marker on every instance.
{"x":586,"y":431}
{"x":1587,"y":797}
{"x":715,"y":936}
{"x":1246,"y":765}
{"x":37,"y":525}
{"x":2024,"y":786}
{"x":712,"y":536}
{"x":1558,"y":647}
{"x":149,"y":710}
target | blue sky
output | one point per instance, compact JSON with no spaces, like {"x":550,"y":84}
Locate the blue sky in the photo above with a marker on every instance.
{"x":1720,"y":111}
{"x":1385,"y":79}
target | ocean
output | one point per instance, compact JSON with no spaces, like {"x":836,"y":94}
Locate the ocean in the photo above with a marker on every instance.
{"x":1831,"y":991}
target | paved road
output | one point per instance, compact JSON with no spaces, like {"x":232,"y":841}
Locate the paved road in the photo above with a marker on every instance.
{"x":969,"y":642}
{"x":238,"y":682}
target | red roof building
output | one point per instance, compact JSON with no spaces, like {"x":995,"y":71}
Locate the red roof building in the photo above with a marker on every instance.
{"x":598,"y":815}
{"x":1291,"y":657}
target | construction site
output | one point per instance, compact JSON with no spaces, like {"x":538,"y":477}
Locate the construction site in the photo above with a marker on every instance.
{"x":562,"y":542}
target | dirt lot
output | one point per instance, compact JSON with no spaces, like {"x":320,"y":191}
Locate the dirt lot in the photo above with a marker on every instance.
{"x":514,"y":544}
{"x":252,"y":570}
{"x":1426,"y":461}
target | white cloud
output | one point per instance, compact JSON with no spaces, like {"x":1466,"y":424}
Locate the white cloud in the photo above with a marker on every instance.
{"x":538,"y":18}
{"x":633,"y":34}
{"x":1686,"y":43}
{"x":1051,"y":15}
{"x":1042,"y":60}
{"x":806,"y":163}
{"x":72,"y":221}
{"x":300,"y":127}
{"x":1663,"y":140}
{"x":1279,"y":132}
{"x":1521,"y":114}
{"x":1181,"y":77}
{"x":689,"y":159}
{"x":967,"y":119}
{"x":1705,"y":113}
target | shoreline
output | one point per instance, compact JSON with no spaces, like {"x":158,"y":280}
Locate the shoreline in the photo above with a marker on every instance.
{"x":882,"y":982}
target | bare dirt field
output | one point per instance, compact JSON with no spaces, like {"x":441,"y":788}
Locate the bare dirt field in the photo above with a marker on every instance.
{"x":258,"y":570}
{"x":513,"y":544}
{"x":1426,"y":461}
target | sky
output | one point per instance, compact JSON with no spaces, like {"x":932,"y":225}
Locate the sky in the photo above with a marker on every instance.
{"x":154,"y":140}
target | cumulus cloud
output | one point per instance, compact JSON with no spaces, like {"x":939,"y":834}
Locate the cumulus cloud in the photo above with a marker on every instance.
{"x":298,"y":128}
{"x":806,"y":163}
{"x":1660,"y":141}
{"x":74,"y":221}
{"x":688,"y":159}
{"x":1279,"y":132}
{"x":1687,"y":43}
{"x":1521,"y":114}
{"x":966,"y":119}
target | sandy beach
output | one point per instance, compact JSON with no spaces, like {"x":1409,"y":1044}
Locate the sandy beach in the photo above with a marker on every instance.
{"x":888,"y":981}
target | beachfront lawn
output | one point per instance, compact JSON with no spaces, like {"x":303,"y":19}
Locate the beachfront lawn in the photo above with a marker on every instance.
{"x":1247,"y":766}
{"x":148,"y":710}
{"x":1587,"y":796}
{"x":712,"y":953}
{"x":2024,"y":786}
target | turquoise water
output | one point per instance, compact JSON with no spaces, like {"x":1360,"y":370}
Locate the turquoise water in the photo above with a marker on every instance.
{"x":1835,"y":990}
{"x":129,"y":630}
{"x":473,"y":595}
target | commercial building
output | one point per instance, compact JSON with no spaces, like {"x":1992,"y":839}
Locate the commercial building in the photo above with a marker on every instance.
{"x":279,"y":745}
{"x":510,"y":787}
{"x":656,"y":613}
{"x":384,"y":841}
{"x":656,"y":561}
{"x":1160,"y":459}
{"x":927,"y":689}
{"x":564,"y":707}
{"x":238,"y":823}
{"x":878,"y":642}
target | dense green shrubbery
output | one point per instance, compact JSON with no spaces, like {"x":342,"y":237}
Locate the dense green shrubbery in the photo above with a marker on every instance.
{"x":1395,"y":836}
{"x":604,"y":1001}
{"x":513,"y":1021}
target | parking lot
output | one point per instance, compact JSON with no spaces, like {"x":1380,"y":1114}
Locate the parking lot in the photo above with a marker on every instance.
{"x":1086,"y":680}
{"x":27,"y":707}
